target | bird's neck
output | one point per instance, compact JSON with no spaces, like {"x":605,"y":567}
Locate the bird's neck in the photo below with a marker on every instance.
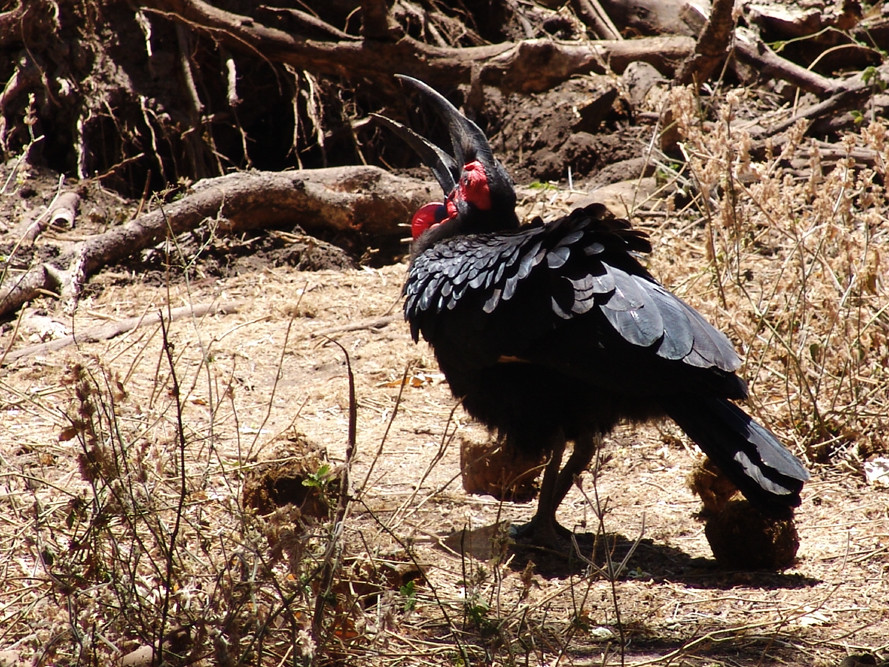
{"x":465,"y":223}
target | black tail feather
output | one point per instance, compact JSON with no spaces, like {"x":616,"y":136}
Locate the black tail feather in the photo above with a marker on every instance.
{"x":766,"y":473}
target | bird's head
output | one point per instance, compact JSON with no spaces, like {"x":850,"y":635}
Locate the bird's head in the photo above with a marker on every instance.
{"x":479,"y":194}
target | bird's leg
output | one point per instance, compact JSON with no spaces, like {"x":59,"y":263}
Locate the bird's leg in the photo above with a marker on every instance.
{"x":585,"y":446}
{"x":543,"y":528}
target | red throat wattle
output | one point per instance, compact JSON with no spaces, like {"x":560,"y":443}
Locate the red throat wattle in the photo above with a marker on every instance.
{"x":427,"y":217}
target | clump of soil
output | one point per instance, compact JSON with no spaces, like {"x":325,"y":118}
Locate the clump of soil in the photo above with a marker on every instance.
{"x":709,"y":484}
{"x":743,"y":538}
{"x":298,"y":474}
{"x":740,"y":536}
{"x":499,"y":470}
{"x":543,"y":136}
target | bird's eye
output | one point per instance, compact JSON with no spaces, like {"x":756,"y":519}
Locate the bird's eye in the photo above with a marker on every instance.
{"x":474,"y":185}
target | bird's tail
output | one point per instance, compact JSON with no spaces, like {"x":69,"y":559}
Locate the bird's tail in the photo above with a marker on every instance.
{"x":767,"y":474}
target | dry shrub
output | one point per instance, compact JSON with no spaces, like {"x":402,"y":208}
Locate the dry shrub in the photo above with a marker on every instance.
{"x":795,"y":239}
{"x":146,"y":545}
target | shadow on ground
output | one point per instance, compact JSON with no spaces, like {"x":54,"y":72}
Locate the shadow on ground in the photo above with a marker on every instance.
{"x":647,"y":559}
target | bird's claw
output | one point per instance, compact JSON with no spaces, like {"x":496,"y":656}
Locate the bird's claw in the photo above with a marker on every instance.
{"x":540,"y":533}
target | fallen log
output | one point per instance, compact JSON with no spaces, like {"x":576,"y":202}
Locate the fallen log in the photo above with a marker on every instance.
{"x":357,"y":200}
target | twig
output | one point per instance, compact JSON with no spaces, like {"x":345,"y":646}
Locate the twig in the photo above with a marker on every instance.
{"x":278,"y":373}
{"x":334,"y":552}
{"x":446,"y":437}
{"x":407,"y":550}
{"x":372,"y":323}
{"x":596,"y":18}
{"x":373,"y":463}
{"x":170,"y":542}
{"x":112,"y":329}
{"x":846,"y":96}
{"x":308,"y":22}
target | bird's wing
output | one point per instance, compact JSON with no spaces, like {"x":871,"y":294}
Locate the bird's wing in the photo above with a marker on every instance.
{"x":580,"y":269}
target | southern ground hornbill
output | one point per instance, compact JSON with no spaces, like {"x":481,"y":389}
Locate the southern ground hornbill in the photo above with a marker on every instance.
{"x":554,"y":332}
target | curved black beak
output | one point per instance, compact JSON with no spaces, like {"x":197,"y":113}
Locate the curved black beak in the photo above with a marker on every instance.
{"x":468,"y":141}
{"x":469,"y":144}
{"x":443,"y":166}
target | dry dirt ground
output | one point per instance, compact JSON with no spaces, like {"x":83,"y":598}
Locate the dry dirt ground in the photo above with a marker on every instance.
{"x":254,"y":385}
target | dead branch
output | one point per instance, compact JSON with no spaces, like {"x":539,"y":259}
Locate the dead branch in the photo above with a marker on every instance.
{"x":527,"y":66}
{"x":710,"y":50}
{"x":711,"y":47}
{"x":536,"y":65}
{"x":365,"y":200}
{"x":60,"y":213}
{"x":846,"y":94}
{"x":835,"y":95}
{"x":751,"y":50}
{"x":39,"y":281}
{"x":305,"y":22}
{"x":64,"y":211}
{"x":112,"y":329}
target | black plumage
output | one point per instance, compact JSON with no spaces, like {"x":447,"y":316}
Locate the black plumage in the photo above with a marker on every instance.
{"x":554,"y":332}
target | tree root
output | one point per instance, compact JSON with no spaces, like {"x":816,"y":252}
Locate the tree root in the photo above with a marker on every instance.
{"x":532,"y":65}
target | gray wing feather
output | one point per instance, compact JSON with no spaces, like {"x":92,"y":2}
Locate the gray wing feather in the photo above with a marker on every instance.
{"x":641,"y":323}
{"x":627,"y":295}
{"x":678,"y":340}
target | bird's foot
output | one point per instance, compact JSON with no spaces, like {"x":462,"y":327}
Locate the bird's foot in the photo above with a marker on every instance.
{"x":541,"y":533}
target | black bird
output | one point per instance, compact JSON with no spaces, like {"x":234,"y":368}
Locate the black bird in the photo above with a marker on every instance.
{"x":554,"y":332}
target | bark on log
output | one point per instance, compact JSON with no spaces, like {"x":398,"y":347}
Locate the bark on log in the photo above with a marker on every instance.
{"x":536,"y":65}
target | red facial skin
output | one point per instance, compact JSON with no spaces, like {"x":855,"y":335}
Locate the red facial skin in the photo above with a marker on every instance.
{"x":474,"y":185}
{"x":472,"y":188}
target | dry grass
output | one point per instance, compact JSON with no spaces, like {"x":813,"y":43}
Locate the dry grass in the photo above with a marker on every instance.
{"x":795,"y":255}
